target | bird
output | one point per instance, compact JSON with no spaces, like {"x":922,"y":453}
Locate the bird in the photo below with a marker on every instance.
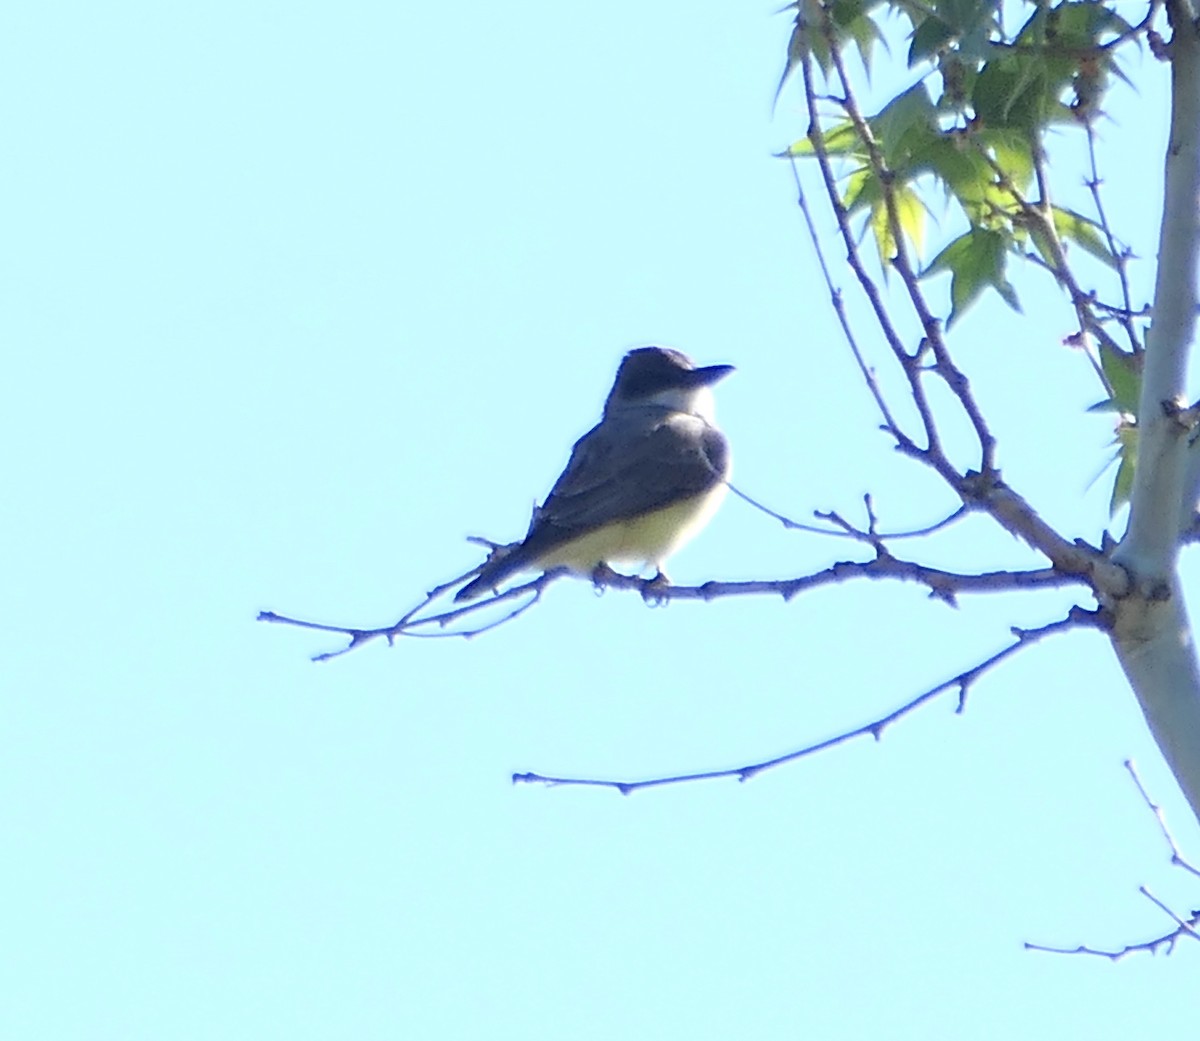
{"x":638,"y":485}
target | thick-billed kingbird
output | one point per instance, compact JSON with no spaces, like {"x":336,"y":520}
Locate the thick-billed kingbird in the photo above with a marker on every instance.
{"x":638,"y":485}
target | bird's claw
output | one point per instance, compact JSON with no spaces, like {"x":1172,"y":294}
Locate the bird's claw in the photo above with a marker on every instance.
{"x":654,"y":590}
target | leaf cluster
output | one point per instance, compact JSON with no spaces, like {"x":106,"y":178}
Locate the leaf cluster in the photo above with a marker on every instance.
{"x":972,"y":125}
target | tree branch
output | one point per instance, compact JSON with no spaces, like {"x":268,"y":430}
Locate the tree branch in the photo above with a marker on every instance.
{"x":844,"y":529}
{"x":1149,"y":548}
{"x":839,"y":309}
{"x":1183,"y":926}
{"x":1078,"y":617}
{"x":906,"y":360}
{"x":1119,"y":253}
{"x":1151,"y":632}
{"x":953,"y":377}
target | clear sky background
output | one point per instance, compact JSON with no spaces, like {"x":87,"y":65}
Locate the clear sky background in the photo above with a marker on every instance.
{"x":296,"y":296}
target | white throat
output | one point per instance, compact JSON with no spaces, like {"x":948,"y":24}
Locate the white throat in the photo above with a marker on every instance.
{"x":698,"y":401}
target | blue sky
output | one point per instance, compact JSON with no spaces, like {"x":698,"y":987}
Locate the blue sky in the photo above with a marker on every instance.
{"x":297,"y":297}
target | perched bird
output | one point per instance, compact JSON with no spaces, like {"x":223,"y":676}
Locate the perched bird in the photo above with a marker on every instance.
{"x":638,"y":485}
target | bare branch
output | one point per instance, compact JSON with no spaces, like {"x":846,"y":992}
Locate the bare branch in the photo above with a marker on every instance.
{"x":839,"y":308}
{"x":1016,"y":516}
{"x":1176,"y":856}
{"x":847,"y":530}
{"x":870,"y":289}
{"x":953,"y":377}
{"x":1183,"y":926}
{"x":844,"y":529}
{"x":943,"y":585}
{"x":1078,"y":617}
{"x":412,"y":622}
{"x":1120,"y":255}
{"x":1167,"y":940}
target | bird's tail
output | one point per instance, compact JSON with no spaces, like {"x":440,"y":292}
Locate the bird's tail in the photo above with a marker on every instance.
{"x":504,"y":561}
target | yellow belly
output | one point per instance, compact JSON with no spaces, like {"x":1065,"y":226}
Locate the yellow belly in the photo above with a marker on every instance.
{"x":646,"y":540}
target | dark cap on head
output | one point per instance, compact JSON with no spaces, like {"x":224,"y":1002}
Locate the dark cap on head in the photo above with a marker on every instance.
{"x":646,"y":371}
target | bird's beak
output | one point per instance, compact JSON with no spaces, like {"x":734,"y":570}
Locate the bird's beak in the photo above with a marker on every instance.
{"x":707,"y":375}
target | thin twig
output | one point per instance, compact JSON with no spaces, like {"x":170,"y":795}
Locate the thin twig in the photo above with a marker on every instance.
{"x":1041,"y":213}
{"x":1077,"y":618}
{"x":1167,"y":940}
{"x":942,"y":585}
{"x":845,"y":530}
{"x":410,"y":623}
{"x":953,"y":377}
{"x":1176,"y":857}
{"x":1184,"y":926}
{"x":906,"y":360}
{"x":1120,"y":256}
{"x":839,"y":309}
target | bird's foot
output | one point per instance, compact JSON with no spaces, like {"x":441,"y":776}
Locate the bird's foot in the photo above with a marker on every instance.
{"x":654,"y":590}
{"x":602,"y":577}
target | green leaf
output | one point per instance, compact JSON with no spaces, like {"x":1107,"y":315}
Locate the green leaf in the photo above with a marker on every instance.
{"x":862,"y":189}
{"x":865,"y":34}
{"x":1013,"y":152}
{"x":1012,"y":91}
{"x":975,"y":45}
{"x":840,"y":139}
{"x":976,"y":261}
{"x":957,"y":160}
{"x":1124,"y":374}
{"x":1085,"y":233}
{"x":1127,"y":441}
{"x":882,"y":232}
{"x":1123,"y":485}
{"x":1043,"y":242}
{"x":903,"y":123}
{"x":929,"y":38}
{"x":965,"y":16}
{"x":1080,"y":24}
{"x":910,"y":212}
{"x":798,"y":48}
{"x":809,"y":13}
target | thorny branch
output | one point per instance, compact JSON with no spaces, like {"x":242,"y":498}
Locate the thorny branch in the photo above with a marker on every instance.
{"x":1077,"y":618}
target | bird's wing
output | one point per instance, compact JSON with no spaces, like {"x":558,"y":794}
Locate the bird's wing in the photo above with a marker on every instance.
{"x":618,"y":472}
